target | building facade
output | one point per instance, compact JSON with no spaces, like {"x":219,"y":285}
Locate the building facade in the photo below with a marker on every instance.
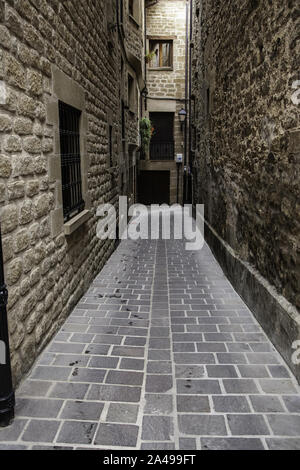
{"x":71,"y":74}
{"x":160,"y":177}
{"x":245,"y":129}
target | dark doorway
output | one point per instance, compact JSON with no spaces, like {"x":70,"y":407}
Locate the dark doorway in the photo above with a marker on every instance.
{"x":154,"y":187}
{"x":162,"y":141}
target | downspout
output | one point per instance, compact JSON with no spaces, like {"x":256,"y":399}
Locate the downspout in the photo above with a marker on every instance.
{"x":145,"y":48}
{"x":185,"y":180}
{"x":190,"y":195}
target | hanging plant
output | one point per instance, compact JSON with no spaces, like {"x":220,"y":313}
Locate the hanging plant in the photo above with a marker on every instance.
{"x":146,"y":132}
{"x":149,"y":57}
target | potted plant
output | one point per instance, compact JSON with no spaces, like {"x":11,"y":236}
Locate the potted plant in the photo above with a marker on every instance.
{"x":149,"y":56}
{"x":146,"y":132}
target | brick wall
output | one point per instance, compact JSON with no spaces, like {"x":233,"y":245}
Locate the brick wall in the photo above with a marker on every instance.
{"x":46,"y":275}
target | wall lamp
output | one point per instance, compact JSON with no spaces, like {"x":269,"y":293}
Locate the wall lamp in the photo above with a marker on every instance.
{"x":145,"y":92}
{"x":182,"y":117}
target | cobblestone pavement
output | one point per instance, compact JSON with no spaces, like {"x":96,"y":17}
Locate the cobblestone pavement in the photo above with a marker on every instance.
{"x":161,"y":353}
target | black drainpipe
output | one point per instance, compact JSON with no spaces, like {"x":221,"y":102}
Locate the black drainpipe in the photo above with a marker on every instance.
{"x":190,"y":177}
{"x":7,"y":396}
{"x":145,"y":49}
{"x":185,"y":176}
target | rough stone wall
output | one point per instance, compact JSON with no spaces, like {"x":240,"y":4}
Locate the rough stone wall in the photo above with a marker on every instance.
{"x":245,"y":81}
{"x":134,"y":46}
{"x":134,"y":39}
{"x":47,"y":275}
{"x":133,"y":63}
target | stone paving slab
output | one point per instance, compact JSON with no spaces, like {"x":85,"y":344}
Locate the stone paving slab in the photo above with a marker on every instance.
{"x":161,"y":353}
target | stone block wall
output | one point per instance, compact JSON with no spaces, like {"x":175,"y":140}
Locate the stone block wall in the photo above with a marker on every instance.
{"x":134,"y":49}
{"x":246,"y":171}
{"x":167,"y":19}
{"x":134,"y":25}
{"x":47,"y":272}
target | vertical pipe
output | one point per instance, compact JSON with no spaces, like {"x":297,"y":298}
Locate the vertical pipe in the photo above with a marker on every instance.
{"x":190,"y":195}
{"x":145,"y":48}
{"x":7,"y":397}
{"x":185,"y":182}
{"x":177,"y":198}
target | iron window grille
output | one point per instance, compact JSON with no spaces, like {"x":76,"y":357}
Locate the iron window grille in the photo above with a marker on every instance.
{"x":162,"y":151}
{"x":69,"y":125}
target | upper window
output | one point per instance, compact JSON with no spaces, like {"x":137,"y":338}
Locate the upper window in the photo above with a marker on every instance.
{"x":121,"y":12}
{"x":134,"y":10}
{"x":69,"y":125}
{"x":161,"y":52}
{"x":131,"y":7}
{"x":131,"y":93}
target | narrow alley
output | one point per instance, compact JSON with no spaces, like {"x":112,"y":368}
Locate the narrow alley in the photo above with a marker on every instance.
{"x":109,"y":108}
{"x":160,"y":353}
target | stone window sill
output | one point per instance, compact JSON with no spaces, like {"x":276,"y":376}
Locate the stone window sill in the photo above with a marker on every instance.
{"x":161,"y":69}
{"x":76,"y":222}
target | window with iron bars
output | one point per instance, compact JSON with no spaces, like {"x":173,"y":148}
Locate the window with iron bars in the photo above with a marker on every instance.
{"x":69,"y":125}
